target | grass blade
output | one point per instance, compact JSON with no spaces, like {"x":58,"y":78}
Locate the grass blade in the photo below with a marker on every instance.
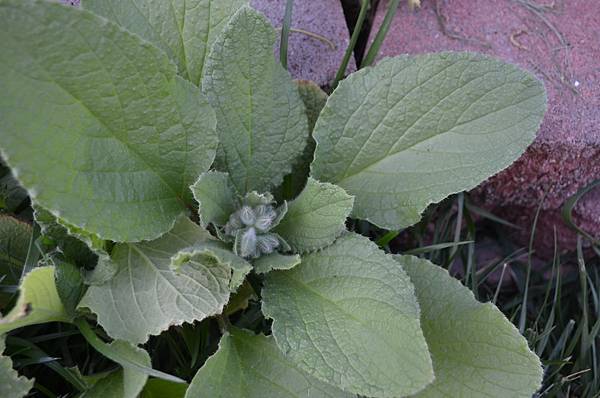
{"x":383,"y":30}
{"x":353,"y":39}
{"x":567,"y":211}
{"x":437,"y":246}
{"x":285,"y":33}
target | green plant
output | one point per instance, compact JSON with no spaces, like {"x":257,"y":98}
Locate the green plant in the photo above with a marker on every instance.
{"x":104,"y":124}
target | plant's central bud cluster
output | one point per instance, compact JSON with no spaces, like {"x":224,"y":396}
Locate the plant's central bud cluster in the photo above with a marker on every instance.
{"x":249,"y":226}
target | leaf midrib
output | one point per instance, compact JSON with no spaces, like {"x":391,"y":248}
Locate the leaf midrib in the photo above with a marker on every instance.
{"x":404,"y":149}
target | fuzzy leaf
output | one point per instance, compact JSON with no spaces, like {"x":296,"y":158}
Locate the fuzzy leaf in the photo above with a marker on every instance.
{"x":12,"y":195}
{"x":14,"y":244}
{"x":69,"y":286}
{"x":261,"y":121}
{"x":251,"y":366}
{"x":214,"y":251}
{"x":11,"y":384}
{"x":184,"y":29}
{"x":473,"y":346}
{"x":314,"y":100}
{"x":215,"y":196}
{"x":38,"y":302}
{"x":316,"y":217}
{"x":147,"y":295}
{"x":156,"y":388}
{"x":96,"y":124}
{"x":348,"y":316}
{"x":75,"y":245}
{"x":414,"y":129}
{"x":127,"y":382}
{"x":275,"y":261}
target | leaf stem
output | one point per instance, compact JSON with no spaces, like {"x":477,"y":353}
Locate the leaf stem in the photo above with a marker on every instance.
{"x":224,"y":324}
{"x":350,"y":49}
{"x":113,"y":355}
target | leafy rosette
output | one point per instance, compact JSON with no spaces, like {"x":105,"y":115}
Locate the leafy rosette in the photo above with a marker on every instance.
{"x":173,"y":162}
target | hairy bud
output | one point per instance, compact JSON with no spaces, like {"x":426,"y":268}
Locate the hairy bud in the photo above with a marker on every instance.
{"x":249,"y":226}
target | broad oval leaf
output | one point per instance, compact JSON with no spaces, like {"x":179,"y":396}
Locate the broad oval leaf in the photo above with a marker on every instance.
{"x":38,"y":302}
{"x":251,"y":366}
{"x":11,"y":384}
{"x":184,"y":29}
{"x":473,"y":346}
{"x":261,"y":121}
{"x":414,"y":129}
{"x":147,"y":295}
{"x":96,"y":124}
{"x":348,"y":315}
{"x":215,"y":196}
{"x":316,"y":217}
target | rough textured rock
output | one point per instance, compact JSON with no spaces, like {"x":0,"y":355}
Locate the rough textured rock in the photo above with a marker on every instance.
{"x":560,"y":43}
{"x":308,"y":57}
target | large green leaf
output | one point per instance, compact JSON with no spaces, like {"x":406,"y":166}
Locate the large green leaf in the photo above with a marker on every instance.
{"x":184,"y":29}
{"x":148,"y":295}
{"x":251,"y":366}
{"x":261,"y":121}
{"x":474,"y":348}
{"x":11,"y":384}
{"x":348,"y":315}
{"x":316,"y":217}
{"x":124,"y":383}
{"x":96,"y":124}
{"x":38,"y":302}
{"x":414,"y":129}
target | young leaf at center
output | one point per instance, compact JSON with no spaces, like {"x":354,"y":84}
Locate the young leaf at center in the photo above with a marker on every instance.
{"x":261,"y":121}
{"x":316,"y":217}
